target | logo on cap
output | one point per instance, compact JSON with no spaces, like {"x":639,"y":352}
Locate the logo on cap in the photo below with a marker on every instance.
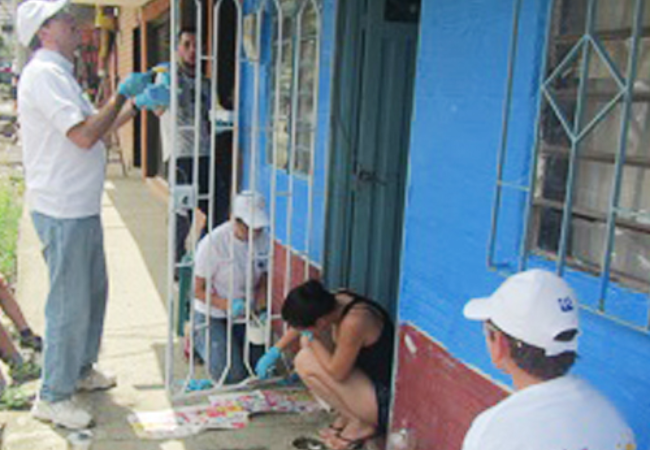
{"x":566,"y":304}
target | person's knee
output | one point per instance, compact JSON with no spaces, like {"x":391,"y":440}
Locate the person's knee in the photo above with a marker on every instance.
{"x":306,"y":363}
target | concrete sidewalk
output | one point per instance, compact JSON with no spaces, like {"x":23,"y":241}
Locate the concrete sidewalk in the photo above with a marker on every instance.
{"x":135,"y":336}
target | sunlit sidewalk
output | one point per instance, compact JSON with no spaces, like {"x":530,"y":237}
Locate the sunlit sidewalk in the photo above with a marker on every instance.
{"x":135,"y":335}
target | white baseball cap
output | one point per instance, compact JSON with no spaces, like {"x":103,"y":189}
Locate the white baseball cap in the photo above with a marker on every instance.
{"x":250,"y":207}
{"x":535,"y":307}
{"x":32,"y":14}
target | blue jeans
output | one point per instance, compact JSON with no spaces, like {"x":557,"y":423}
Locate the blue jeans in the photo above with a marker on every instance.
{"x":219,"y":348}
{"x":76,"y":304}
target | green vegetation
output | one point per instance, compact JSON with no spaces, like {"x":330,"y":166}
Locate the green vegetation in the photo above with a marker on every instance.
{"x":10,"y":211}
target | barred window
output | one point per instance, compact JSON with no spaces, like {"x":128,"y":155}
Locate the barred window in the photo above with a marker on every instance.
{"x":298,"y":86}
{"x":587,"y":194}
{"x":592,"y":198}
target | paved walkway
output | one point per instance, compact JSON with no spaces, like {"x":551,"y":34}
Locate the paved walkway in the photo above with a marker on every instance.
{"x":135,"y":337}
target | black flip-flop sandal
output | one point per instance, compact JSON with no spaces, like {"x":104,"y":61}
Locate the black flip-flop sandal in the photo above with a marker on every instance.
{"x":355,"y":444}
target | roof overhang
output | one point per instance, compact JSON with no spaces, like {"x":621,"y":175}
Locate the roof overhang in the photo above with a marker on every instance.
{"x":123,"y":3}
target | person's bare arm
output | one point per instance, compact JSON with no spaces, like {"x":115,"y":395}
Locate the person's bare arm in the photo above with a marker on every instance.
{"x":287,"y":338}
{"x":200,"y":293}
{"x":128,"y":112}
{"x":350,"y":339}
{"x":87,"y":133}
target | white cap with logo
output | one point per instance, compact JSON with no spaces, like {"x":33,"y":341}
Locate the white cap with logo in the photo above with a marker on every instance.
{"x":31,"y":15}
{"x":535,"y":307}
{"x":250,"y":207}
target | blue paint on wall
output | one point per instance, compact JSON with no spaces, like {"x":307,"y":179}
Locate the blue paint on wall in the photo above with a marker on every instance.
{"x":300,"y":197}
{"x":460,"y":87}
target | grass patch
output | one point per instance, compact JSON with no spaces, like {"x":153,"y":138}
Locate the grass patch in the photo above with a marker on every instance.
{"x":11,"y":194}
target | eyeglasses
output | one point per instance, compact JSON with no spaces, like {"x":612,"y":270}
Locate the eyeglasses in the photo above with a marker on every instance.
{"x":490,"y":328}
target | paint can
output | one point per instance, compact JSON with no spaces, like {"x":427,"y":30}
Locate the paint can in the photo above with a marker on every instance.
{"x":256,"y":332}
{"x":80,"y":440}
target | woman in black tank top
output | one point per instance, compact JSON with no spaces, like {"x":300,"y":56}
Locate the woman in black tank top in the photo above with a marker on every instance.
{"x":354,"y":375}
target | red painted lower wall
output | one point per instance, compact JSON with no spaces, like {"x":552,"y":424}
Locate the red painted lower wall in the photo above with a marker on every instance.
{"x":436,"y":395}
{"x":279,"y":277}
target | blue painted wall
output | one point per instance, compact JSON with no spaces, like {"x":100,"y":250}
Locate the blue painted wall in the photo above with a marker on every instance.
{"x":264,"y":170}
{"x":460,"y":88}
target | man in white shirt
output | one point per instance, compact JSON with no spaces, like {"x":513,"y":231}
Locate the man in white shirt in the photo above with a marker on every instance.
{"x":531,"y":328}
{"x":64,"y":160}
{"x":222,"y":268}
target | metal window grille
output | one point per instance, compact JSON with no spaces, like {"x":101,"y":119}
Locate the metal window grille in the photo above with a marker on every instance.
{"x":247,"y":54}
{"x":297,"y":73}
{"x":587,"y":196}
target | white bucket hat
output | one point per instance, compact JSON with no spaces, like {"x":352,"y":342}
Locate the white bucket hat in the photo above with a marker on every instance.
{"x":31,"y":15}
{"x":535,"y":307}
{"x":250,"y":207}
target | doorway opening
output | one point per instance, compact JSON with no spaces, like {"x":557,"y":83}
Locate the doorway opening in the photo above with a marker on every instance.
{"x":370,"y":132}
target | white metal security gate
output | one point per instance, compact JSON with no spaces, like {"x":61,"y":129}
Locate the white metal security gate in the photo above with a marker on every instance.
{"x":184,"y":197}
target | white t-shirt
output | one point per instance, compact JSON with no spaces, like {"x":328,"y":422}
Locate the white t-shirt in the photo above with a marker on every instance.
{"x":63,"y":180}
{"x":562,"y":414}
{"x":213,"y":261}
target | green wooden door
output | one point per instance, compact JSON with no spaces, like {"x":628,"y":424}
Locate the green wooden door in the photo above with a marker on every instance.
{"x":370,"y":138}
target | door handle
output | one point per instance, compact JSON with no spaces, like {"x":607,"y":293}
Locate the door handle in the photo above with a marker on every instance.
{"x":368,"y":176}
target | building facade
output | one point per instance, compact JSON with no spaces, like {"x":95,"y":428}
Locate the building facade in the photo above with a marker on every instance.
{"x":420,"y":151}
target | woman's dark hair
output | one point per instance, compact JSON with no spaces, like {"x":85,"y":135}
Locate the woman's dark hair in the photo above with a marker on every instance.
{"x":307,"y":303}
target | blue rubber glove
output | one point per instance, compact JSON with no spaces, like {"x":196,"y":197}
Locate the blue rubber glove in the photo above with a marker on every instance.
{"x":262,"y":317}
{"x":267,"y":363}
{"x":199,"y":385}
{"x":164,"y":76}
{"x":135,"y":83}
{"x":238,"y":307}
{"x":156,"y":96}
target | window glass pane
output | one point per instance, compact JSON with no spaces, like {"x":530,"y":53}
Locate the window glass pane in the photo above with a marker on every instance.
{"x":595,"y":168}
{"x":549,"y":226}
{"x":302,"y":76}
{"x":402,"y":10}
{"x":586,"y":244}
{"x":593,"y":186}
{"x":631,"y":257}
{"x":570,"y":17}
{"x":635,"y":194}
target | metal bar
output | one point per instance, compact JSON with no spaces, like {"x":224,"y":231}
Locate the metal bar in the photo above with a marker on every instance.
{"x":532,"y":175}
{"x":516,"y":187}
{"x":575,"y":144}
{"x":312,"y":152}
{"x":171,"y":228}
{"x":558,"y":113}
{"x":600,"y":116}
{"x":291,"y":169}
{"x":198,"y":91}
{"x":501,"y":155}
{"x":611,"y":66}
{"x":274,"y":194}
{"x":234,"y":190}
{"x":567,"y":59}
{"x":620,"y":155}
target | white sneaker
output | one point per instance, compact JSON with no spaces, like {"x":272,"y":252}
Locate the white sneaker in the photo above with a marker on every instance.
{"x":96,"y":381}
{"x":64,"y":413}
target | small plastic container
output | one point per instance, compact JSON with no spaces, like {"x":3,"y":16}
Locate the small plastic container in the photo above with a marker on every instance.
{"x":80,"y":440}
{"x":402,"y":439}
